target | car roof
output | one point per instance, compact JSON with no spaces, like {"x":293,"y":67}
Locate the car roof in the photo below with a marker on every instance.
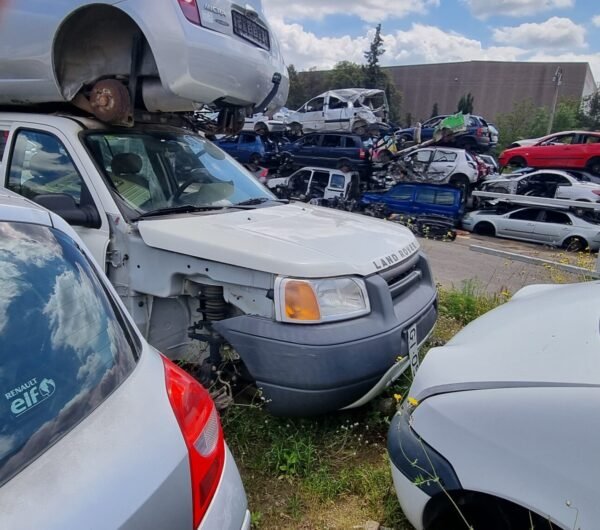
{"x":315,"y":168}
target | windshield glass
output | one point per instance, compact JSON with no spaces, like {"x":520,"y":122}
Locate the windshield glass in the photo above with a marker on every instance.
{"x":155,"y":170}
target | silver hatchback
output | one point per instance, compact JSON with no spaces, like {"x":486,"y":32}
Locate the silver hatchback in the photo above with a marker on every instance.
{"x":97,"y":430}
{"x":170,"y":54}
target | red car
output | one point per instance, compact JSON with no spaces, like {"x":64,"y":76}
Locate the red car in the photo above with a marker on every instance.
{"x":568,"y":150}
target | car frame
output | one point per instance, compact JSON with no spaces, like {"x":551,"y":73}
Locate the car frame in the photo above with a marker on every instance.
{"x":95,"y":419}
{"x":78,"y":51}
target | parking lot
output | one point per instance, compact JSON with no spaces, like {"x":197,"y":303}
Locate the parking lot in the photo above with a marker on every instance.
{"x":454,"y":263}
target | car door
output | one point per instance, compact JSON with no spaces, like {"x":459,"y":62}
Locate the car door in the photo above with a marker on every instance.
{"x":330,"y":150}
{"x":314,"y":117}
{"x":318,"y":184}
{"x":556,"y":151}
{"x":44,"y":167}
{"x":442,"y":165}
{"x":335,"y":117}
{"x":419,"y":162}
{"x":400,"y":199}
{"x":337,"y":185}
{"x":304,"y":150}
{"x":299,"y":182}
{"x":552,"y":227}
{"x":429,"y":126}
{"x":519,"y":224}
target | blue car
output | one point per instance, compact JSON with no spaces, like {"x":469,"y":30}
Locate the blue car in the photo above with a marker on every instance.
{"x":477,"y":137}
{"x":250,"y":148}
{"x":331,"y":150}
{"x":416,"y":199}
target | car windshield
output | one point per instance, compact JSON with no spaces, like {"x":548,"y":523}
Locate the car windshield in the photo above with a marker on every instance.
{"x":64,"y":346}
{"x":152,"y":171}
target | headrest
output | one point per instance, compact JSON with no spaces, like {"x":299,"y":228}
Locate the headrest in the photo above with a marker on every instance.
{"x":126,"y":164}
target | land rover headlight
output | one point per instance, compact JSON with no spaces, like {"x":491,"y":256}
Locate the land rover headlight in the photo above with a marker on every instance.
{"x":317,"y":301}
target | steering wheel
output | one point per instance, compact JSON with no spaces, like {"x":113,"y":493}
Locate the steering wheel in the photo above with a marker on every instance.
{"x":196,"y":175}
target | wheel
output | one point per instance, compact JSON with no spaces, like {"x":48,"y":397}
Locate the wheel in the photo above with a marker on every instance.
{"x":575,"y":244}
{"x":360,"y":128}
{"x":517,"y":162}
{"x":296,"y":128}
{"x":463,"y":183}
{"x":384,"y":157}
{"x":255,"y":159}
{"x":484,"y":229}
{"x":593,"y":166}
{"x":261,"y":129}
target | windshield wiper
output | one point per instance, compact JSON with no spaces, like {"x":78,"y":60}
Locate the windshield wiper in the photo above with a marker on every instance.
{"x":186,"y":208}
{"x":258,"y":200}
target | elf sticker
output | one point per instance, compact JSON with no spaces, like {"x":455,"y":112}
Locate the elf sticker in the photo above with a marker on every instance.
{"x":29,"y":394}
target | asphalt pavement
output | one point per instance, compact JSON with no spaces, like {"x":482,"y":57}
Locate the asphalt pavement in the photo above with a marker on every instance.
{"x":454,"y":262}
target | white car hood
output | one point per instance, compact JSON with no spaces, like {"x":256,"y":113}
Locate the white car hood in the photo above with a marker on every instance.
{"x":293,"y":239}
{"x":543,"y":337}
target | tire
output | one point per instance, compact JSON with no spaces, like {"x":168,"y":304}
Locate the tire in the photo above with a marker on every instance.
{"x":384,"y":157}
{"x":484,"y":228}
{"x":517,"y":162}
{"x":344,"y":162}
{"x":296,"y":128}
{"x":593,"y":166}
{"x":359,"y":127}
{"x":462,"y":182}
{"x":261,"y":129}
{"x":575,"y":244}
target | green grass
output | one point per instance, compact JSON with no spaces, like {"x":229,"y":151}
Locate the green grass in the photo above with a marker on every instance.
{"x":332,"y":471}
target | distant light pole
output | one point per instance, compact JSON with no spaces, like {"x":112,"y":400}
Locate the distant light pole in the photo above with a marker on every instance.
{"x":557,"y":80}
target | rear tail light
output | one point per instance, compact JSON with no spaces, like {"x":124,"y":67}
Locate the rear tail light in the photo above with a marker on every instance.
{"x":596,"y":192}
{"x":362,"y":154}
{"x":479,"y":131}
{"x":190,"y":10}
{"x":264,"y":173}
{"x":201,"y":429}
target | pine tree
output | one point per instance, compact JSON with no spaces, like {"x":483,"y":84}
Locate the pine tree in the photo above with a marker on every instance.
{"x":374,"y":76}
{"x":435,"y":111}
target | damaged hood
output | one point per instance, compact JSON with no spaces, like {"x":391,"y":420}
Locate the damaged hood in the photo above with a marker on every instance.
{"x":528,"y":342}
{"x":293,"y":239}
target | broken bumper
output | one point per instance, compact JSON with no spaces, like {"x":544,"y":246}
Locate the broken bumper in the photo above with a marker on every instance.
{"x":309,"y":370}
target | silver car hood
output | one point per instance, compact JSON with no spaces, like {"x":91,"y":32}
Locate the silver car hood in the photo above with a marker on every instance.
{"x":545,"y":336}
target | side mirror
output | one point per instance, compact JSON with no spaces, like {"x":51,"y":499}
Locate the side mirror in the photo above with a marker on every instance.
{"x":65,"y":206}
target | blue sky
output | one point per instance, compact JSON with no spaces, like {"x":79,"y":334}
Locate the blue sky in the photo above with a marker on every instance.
{"x":318,"y":33}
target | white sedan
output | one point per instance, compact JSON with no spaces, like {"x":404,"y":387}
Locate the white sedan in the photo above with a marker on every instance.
{"x":501,"y":427}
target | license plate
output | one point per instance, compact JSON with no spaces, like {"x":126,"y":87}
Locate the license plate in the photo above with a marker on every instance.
{"x":248,"y":29}
{"x":413,"y":349}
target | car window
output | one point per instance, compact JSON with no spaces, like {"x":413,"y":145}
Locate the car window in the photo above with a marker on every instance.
{"x":41,"y":165}
{"x":338,"y":182}
{"x":331,"y":140}
{"x":551,"y":216}
{"x":247,"y":138}
{"x":444,"y":156}
{"x":153,"y":170}
{"x":559,"y":139}
{"x":528,"y":214}
{"x":473,"y":122}
{"x":335,"y":103}
{"x":310,"y":140}
{"x":445,"y":198}
{"x":432,"y":122}
{"x":315,"y":105}
{"x":64,"y":345}
{"x":352,"y":141}
{"x":426,"y":196}
{"x":422,"y":156}
{"x":589,"y":139}
{"x":402,"y":193}
{"x":3,"y":141}
{"x":299,"y":181}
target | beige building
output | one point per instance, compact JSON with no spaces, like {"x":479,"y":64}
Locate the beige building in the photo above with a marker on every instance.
{"x":495,"y":85}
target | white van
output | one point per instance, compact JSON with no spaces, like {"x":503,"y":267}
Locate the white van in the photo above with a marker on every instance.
{"x":313,"y":305}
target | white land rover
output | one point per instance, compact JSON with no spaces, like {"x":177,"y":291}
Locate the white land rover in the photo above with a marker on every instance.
{"x":313,"y":305}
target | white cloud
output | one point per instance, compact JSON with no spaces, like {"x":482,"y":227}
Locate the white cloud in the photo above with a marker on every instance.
{"x":368,"y":10}
{"x":596,"y":21}
{"x":558,"y":33}
{"x":419,"y":44}
{"x":515,"y":8}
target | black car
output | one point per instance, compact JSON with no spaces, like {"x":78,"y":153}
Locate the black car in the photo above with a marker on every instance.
{"x":331,"y":150}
